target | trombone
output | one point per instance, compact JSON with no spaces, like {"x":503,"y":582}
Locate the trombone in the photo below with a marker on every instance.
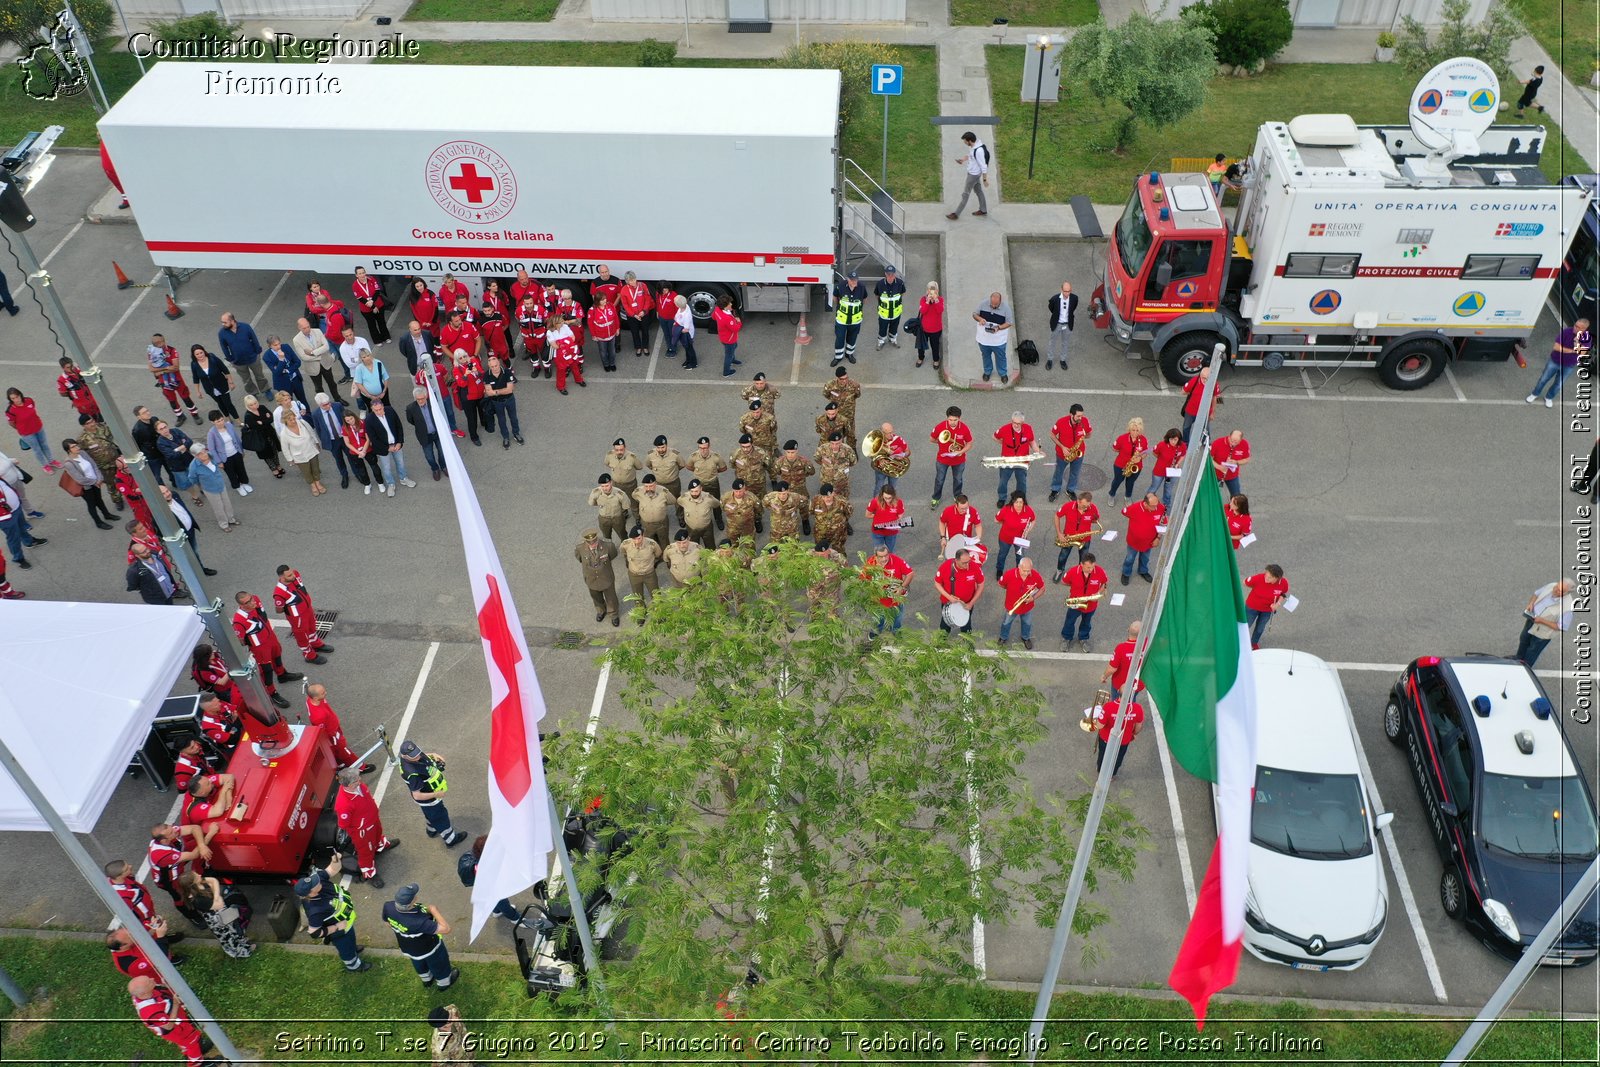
{"x":1023,"y":601}
{"x":1011,"y":461}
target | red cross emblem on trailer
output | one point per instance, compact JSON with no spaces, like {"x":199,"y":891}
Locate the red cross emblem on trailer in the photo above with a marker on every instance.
{"x":471,"y":181}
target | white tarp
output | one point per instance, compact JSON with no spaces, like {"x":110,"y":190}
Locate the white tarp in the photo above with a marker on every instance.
{"x":79,"y":687}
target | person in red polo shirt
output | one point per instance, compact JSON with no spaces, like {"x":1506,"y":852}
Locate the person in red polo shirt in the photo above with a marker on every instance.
{"x":1239,"y":521}
{"x":960,"y":519}
{"x":1264,"y":595}
{"x":1106,"y":717}
{"x":219,"y":721}
{"x":1084,"y":582}
{"x":170,"y":860}
{"x":1075,"y":519}
{"x":1228,"y":457}
{"x":1170,"y":453}
{"x":1192,"y":391}
{"x":728,"y":327}
{"x":895,"y":573}
{"x":120,"y":874}
{"x":450,"y":291}
{"x":1116,"y":672}
{"x":1146,"y":520}
{"x":960,"y":582}
{"x":1022,"y":585}
{"x":458,"y":333}
{"x":1016,"y":521}
{"x":1016,"y":439}
{"x":1131,"y":449}
{"x":523,"y":287}
{"x":128,"y":957}
{"x":71,"y":385}
{"x":210,"y":801}
{"x":885,"y":511}
{"x":320,"y":713}
{"x":466,"y":378}
{"x":1070,"y":434}
{"x":567,"y":352}
{"x":163,"y":1016}
{"x":604,"y":327}
{"x":952,"y":440}
{"x":492,"y":326}
{"x":190,"y":762}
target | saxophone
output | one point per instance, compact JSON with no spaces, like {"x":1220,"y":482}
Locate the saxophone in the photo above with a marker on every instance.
{"x":1135,"y":460}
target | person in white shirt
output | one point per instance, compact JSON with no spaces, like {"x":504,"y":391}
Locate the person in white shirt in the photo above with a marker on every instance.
{"x":1548,"y":615}
{"x":350,"y":350}
{"x":684,"y":320}
{"x":977,"y":163}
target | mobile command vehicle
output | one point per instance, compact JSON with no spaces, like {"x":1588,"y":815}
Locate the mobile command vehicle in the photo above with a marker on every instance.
{"x":1504,"y":797}
{"x":1400,"y":248}
{"x":719,"y":181}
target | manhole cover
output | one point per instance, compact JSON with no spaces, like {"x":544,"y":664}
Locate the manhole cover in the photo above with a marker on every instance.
{"x":325,"y":621}
{"x":1092,"y":478}
{"x":570,"y":639}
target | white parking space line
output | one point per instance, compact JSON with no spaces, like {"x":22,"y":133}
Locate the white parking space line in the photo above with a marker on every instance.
{"x":1407,"y":899}
{"x":1305,"y":380}
{"x":45,"y":262}
{"x":126,"y":315}
{"x":1450,"y":377}
{"x":656,"y":345}
{"x":265,"y":304}
{"x":799,"y":354}
{"x":1185,"y":867}
{"x":980,"y":952}
{"x":1398,"y":520}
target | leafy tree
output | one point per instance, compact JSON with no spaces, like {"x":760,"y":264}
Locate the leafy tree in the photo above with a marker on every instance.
{"x":207,"y":27}
{"x":1245,"y":31}
{"x":1490,"y":40}
{"x":1159,"y":71}
{"x":803,"y":803}
{"x":28,"y":22}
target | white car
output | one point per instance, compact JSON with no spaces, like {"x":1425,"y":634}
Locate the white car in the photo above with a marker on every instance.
{"x":1318,"y":898}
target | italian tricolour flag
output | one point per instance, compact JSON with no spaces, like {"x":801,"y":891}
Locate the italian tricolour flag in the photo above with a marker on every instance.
{"x":1198,"y":672}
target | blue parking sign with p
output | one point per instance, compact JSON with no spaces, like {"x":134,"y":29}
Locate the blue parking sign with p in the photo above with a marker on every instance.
{"x":888,"y":79}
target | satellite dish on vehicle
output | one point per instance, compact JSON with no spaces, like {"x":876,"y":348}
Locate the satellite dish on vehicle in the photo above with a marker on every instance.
{"x":1451,"y":107}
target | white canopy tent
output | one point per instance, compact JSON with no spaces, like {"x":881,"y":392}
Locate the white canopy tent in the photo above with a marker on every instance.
{"x":79,"y":687}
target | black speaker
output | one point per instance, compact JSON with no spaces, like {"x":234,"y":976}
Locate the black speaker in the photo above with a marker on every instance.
{"x":14,"y":211}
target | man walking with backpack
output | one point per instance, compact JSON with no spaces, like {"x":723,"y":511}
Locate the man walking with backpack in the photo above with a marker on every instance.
{"x":977,"y":163}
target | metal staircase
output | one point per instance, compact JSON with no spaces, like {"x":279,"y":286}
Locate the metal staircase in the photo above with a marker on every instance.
{"x":872,"y":225}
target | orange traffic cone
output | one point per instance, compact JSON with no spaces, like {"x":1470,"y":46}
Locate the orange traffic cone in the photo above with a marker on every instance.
{"x":123,"y":281}
{"x":173,"y":310}
{"x":802,"y":336}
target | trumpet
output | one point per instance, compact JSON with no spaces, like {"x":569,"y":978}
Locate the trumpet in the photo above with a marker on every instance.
{"x":1081,"y":601}
{"x":1011,"y":461}
{"x":1074,"y":540}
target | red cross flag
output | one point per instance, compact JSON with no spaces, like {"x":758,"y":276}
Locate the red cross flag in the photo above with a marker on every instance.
{"x":518,"y":851}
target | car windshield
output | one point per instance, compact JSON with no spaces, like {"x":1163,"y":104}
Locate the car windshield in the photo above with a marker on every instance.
{"x":1546,"y":818}
{"x":1310,"y":816}
{"x":1133,"y":236}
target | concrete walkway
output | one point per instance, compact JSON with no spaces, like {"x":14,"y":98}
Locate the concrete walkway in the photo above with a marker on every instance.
{"x":974,"y":250}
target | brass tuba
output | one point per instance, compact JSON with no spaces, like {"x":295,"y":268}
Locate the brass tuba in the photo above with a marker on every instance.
{"x":871,"y":444}
{"x":945,"y":436}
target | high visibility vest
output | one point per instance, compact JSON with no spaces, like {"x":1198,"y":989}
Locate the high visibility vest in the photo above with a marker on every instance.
{"x":344,"y":911}
{"x":848,"y":312}
{"x":889,"y":305}
{"x":436,"y":782}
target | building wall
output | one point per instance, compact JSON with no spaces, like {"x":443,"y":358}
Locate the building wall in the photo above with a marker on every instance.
{"x":777,"y":10}
{"x":235,"y":10}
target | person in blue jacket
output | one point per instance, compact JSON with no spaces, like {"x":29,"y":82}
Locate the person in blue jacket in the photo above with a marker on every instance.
{"x":241,"y":347}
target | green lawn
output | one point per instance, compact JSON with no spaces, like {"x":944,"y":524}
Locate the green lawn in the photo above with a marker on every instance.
{"x":913,"y":140}
{"x":279,"y":995}
{"x":471,"y":11}
{"x":1076,"y":135}
{"x":20,"y":113}
{"x":1042,"y":13}
{"x":1566,"y":29}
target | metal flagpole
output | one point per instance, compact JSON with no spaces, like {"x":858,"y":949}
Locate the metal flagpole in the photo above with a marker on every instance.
{"x":95,"y":876}
{"x":208,"y":608}
{"x":1491,"y":1011}
{"x":580,"y":914}
{"x":1187,"y":488}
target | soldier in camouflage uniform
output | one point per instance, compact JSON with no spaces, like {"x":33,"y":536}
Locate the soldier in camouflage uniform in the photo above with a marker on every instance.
{"x":699,"y":509}
{"x":823,"y":595}
{"x":642,"y":555}
{"x":750,"y":463}
{"x":830,"y":515}
{"x":835,"y":460}
{"x":705,"y":465}
{"x":831,"y":423}
{"x":743,"y":509}
{"x":760,"y":425}
{"x":759,"y":389}
{"x":790,"y":466}
{"x":448,"y":1045}
{"x":654,"y":504}
{"x":624,"y":467}
{"x":683,"y":558}
{"x":613,"y":505}
{"x":844,"y":391}
{"x":95,"y":439}
{"x":789,"y":510}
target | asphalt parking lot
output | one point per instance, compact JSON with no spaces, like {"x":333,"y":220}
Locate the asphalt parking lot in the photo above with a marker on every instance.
{"x":1408,"y":524}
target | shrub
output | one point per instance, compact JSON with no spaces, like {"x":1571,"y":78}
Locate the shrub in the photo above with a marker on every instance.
{"x":1490,"y":40}
{"x":852,"y":59}
{"x":1159,"y":71}
{"x":207,"y":30}
{"x":27,"y":22}
{"x":1385,"y":39}
{"x":654,"y":53}
{"x":1246,"y":32}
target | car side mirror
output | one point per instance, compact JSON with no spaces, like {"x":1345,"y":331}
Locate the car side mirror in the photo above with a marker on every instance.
{"x":1450,"y":810}
{"x":1164,"y":275}
{"x":1383,"y":820}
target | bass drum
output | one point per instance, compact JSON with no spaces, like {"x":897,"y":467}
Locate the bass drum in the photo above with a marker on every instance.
{"x":956,"y":615}
{"x":979,"y":550}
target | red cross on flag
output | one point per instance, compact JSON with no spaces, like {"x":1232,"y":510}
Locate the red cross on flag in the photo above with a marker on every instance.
{"x":518,"y":851}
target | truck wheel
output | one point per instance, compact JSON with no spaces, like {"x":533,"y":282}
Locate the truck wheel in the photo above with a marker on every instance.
{"x":1413,"y":364}
{"x":1391,"y":721}
{"x":1450,"y":893}
{"x":702,"y":298}
{"x":1185,"y":355}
